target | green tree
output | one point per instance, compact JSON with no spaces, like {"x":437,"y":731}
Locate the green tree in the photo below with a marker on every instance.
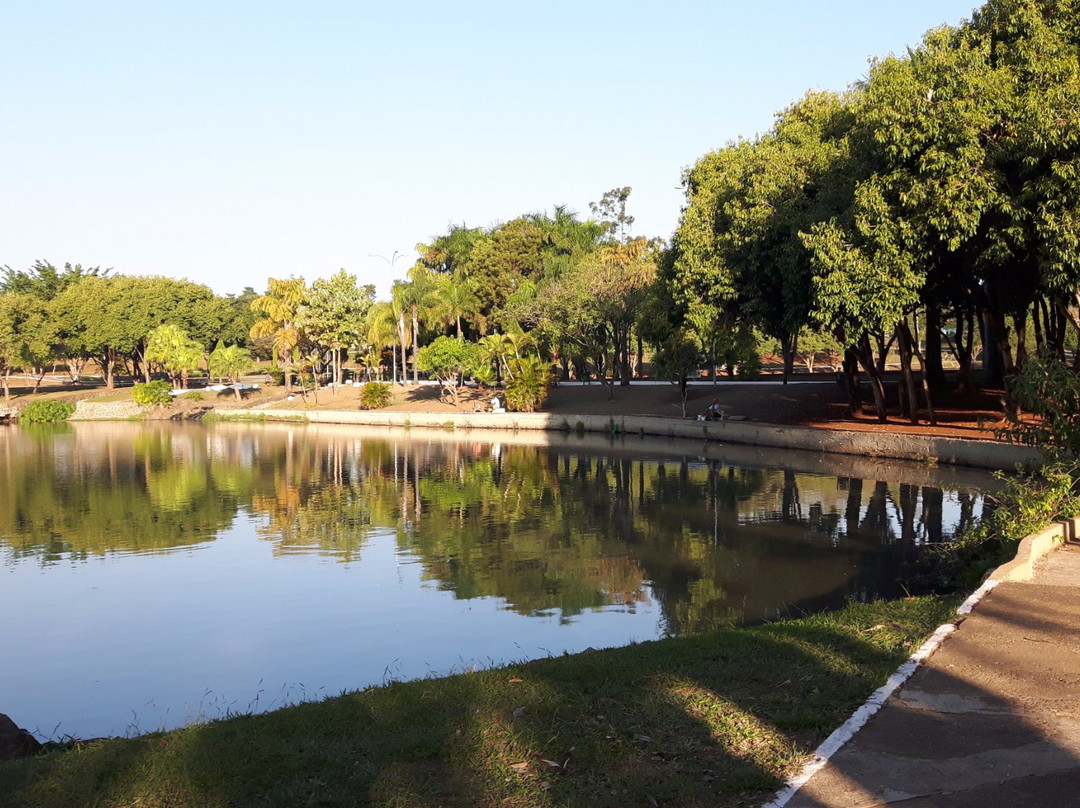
{"x":611,"y":213}
{"x":449,"y":359}
{"x":27,"y":336}
{"x":230,"y":362}
{"x":45,"y":281}
{"x":334,"y":315}
{"x":678,"y":358}
{"x":170,"y":347}
{"x":452,"y":302}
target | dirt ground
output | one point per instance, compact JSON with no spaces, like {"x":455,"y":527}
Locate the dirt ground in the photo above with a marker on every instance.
{"x":820,"y":402}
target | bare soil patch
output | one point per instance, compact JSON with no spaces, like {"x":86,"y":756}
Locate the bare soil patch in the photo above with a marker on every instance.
{"x":817,"y":401}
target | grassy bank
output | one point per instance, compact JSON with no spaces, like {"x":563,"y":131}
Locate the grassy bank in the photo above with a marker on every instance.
{"x":717,"y":720}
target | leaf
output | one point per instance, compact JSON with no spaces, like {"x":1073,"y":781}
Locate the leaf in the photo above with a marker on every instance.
{"x":643,"y":738}
{"x":520,"y":768}
{"x":518,"y":712}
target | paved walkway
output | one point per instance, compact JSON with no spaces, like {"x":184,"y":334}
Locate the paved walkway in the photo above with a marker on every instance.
{"x":991,"y":719}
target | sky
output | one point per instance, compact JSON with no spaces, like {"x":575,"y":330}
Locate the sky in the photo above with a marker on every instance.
{"x":232,"y":142}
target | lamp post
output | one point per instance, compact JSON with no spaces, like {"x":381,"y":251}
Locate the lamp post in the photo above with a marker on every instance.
{"x":390,"y":262}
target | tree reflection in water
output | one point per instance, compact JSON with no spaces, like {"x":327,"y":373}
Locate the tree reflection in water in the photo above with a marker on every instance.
{"x":547,"y":530}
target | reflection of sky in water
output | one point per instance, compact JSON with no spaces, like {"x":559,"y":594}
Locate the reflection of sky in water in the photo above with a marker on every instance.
{"x":225,"y":611}
{"x":137,"y":642}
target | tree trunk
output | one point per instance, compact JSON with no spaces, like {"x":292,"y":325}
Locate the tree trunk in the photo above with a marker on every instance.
{"x":910,"y":399}
{"x":401,"y":339}
{"x":415,"y":343}
{"x":931,"y":416}
{"x":866,"y":357}
{"x":933,"y":371}
{"x":851,"y":381}
{"x":1020,"y":326}
{"x":789,"y":346}
{"x":108,"y":365}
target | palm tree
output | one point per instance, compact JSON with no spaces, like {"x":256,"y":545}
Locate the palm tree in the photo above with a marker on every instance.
{"x":229,"y":362}
{"x":171,"y":347}
{"x":417,"y":293}
{"x":386,"y":326}
{"x":450,"y":302}
{"x":403,"y":299}
{"x":280,"y":305}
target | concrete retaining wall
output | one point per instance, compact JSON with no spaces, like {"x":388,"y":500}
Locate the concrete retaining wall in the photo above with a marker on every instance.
{"x":1034,"y":547}
{"x":978,"y":454}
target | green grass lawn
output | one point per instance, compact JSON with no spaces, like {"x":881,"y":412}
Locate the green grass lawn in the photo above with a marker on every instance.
{"x":717,"y":720}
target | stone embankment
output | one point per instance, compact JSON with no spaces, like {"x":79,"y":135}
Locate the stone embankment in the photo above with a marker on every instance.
{"x":974,"y":453}
{"x":86,"y":410}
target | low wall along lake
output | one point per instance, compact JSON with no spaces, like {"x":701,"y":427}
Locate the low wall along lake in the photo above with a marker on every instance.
{"x":159,"y":574}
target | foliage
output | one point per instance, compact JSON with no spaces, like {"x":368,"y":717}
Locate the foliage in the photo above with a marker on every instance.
{"x":678,"y":358}
{"x":449,"y":359}
{"x":1029,"y":501}
{"x":1049,"y":390}
{"x":229,"y":362}
{"x":611,"y":213}
{"x":46,"y":412}
{"x":44,"y":281}
{"x":27,"y":334}
{"x":169,"y":346}
{"x":528,"y":387}
{"x":280,"y":308}
{"x":334,"y":315}
{"x":193,"y":395}
{"x":152,"y":394}
{"x":375,"y":395}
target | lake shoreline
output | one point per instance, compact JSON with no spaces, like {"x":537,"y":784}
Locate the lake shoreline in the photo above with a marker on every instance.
{"x":982,"y":454}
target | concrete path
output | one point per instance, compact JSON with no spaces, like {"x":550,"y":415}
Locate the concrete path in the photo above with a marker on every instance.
{"x":991,"y":719}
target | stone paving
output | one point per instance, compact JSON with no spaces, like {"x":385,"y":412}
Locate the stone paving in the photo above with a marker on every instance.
{"x":991,"y":719}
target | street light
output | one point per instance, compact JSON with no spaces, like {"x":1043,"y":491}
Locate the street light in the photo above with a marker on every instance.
{"x":391,"y":261}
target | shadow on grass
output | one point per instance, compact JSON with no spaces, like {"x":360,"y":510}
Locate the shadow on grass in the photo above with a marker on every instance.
{"x":715,"y":720}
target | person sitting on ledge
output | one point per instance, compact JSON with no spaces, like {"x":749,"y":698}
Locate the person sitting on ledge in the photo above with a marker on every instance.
{"x":714,"y":412}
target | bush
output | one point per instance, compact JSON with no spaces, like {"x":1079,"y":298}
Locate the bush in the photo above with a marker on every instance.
{"x":194,"y":395}
{"x":375,"y":395}
{"x":46,"y":412}
{"x":152,"y":394}
{"x":276,"y":377}
{"x":529,"y":387}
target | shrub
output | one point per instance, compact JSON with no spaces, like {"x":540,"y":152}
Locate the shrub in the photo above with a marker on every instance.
{"x":46,"y":412}
{"x":194,"y":395}
{"x":375,"y":395}
{"x":276,"y":377}
{"x":152,"y":394}
{"x":528,"y":389}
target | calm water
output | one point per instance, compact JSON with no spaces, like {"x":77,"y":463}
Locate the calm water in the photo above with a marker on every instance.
{"x":153,"y":575}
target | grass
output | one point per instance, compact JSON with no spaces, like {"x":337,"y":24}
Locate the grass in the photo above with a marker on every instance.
{"x":716,"y":720}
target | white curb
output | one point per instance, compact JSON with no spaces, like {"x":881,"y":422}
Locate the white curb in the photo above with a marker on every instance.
{"x":831,"y":745}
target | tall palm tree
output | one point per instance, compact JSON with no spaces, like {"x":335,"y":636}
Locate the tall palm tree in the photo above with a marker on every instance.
{"x":386,"y":327}
{"x":417,"y":295}
{"x":280,"y":305}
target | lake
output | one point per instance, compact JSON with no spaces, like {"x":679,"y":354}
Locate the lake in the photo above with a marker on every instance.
{"x":153,"y":575}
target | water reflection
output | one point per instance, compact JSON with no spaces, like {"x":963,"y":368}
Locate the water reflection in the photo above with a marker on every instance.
{"x":546,"y":530}
{"x":188,"y":572}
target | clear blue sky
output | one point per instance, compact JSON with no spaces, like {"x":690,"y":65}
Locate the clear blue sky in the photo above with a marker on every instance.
{"x":230,"y":142}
